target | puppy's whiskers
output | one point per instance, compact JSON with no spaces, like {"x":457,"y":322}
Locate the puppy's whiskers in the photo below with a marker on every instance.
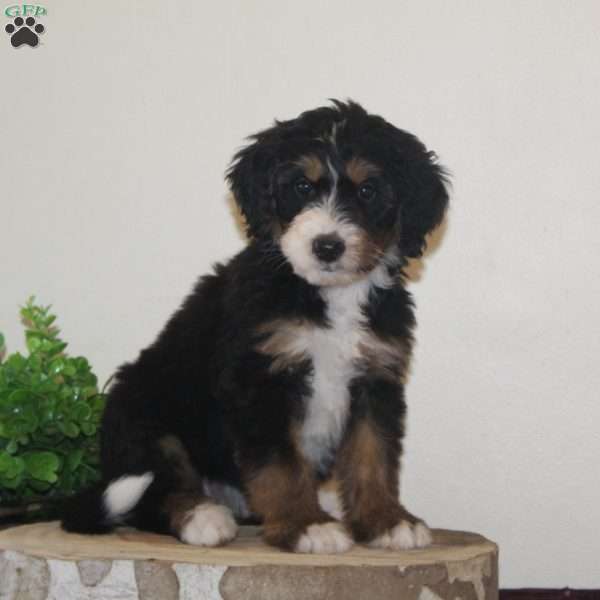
{"x":273,"y":256}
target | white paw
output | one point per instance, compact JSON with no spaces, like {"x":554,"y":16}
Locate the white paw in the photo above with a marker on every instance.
{"x":208,"y":525}
{"x":404,"y":536}
{"x":324,"y":538}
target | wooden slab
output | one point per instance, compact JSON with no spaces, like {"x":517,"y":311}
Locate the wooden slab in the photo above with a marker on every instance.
{"x":43,"y":562}
{"x":48,"y":540}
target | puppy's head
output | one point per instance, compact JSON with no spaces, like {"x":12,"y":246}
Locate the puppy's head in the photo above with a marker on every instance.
{"x":339,"y":190}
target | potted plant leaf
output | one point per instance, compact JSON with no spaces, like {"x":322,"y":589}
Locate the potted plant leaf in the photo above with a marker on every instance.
{"x":50,"y":410}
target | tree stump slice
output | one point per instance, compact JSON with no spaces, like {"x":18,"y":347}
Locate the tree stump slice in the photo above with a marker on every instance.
{"x":42,"y":562}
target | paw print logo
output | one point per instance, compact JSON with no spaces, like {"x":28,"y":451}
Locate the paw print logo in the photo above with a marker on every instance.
{"x":24,"y":32}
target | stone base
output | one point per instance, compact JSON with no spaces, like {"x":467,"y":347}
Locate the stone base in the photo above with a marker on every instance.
{"x":40,"y":561}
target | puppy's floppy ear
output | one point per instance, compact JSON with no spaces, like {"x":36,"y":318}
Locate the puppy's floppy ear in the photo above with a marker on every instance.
{"x":249,"y":178}
{"x":424,"y":206}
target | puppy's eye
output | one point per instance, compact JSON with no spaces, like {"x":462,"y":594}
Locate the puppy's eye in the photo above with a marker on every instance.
{"x":303,"y":186}
{"x":367,"y":191}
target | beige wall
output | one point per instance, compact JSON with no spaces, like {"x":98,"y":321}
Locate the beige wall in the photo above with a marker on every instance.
{"x":114,"y":137}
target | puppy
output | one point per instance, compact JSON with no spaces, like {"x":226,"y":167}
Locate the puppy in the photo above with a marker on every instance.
{"x":285,"y":368}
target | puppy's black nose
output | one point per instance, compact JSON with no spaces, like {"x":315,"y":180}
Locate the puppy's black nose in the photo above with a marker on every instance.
{"x":328,"y":247}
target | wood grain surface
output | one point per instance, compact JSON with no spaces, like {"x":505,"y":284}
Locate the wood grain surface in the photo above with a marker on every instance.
{"x":50,"y":541}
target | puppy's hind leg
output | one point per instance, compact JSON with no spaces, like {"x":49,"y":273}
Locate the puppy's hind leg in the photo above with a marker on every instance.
{"x":177,"y":503}
{"x":197,"y":520}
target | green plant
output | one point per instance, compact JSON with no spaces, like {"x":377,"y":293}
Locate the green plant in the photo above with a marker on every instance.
{"x":50,"y":411}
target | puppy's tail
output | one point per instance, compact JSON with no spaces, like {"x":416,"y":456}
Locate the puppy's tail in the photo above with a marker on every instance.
{"x":86,"y":512}
{"x":102,"y":507}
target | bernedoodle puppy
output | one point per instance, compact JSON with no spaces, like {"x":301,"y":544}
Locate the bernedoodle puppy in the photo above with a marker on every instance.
{"x":285,"y":368}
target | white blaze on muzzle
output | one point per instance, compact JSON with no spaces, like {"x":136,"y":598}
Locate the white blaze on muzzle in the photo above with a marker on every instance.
{"x":318,"y":220}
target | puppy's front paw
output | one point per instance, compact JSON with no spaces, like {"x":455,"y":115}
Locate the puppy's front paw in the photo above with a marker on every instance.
{"x":404,"y":536}
{"x":324,"y":538}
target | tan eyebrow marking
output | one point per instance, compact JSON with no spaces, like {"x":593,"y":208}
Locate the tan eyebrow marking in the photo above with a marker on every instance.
{"x":359,"y":169}
{"x":313,"y":167}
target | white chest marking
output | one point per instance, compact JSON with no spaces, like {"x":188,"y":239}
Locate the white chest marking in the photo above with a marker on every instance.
{"x":335,"y":352}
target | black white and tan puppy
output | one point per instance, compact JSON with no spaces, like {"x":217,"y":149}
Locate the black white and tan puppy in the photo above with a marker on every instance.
{"x":285,"y":368}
